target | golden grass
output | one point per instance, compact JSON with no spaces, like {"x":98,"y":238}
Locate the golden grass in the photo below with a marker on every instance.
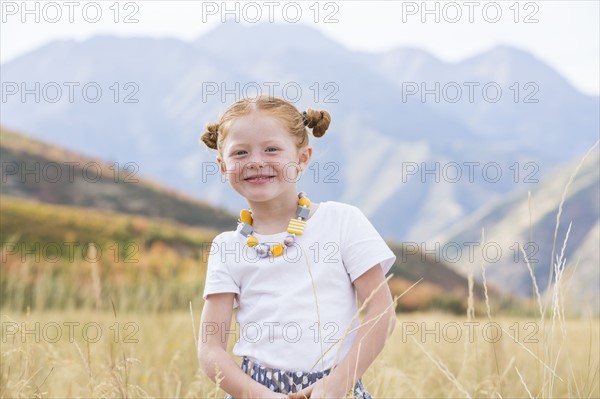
{"x":431,"y":364}
{"x":154,"y":355}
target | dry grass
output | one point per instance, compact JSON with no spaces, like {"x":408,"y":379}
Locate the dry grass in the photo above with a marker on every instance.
{"x":430,"y":364}
{"x":137,"y":355}
{"x":423,"y":358}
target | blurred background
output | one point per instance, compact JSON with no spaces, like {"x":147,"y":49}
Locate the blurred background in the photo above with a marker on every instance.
{"x":467,"y":133}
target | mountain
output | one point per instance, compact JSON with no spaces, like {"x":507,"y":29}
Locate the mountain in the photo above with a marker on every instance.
{"x":514,"y":222}
{"x":529,"y":108}
{"x":158,"y":94}
{"x":35,"y":170}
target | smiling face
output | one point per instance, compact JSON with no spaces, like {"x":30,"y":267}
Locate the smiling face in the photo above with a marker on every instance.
{"x":256,"y":140}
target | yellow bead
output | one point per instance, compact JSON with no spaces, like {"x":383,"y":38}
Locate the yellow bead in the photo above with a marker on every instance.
{"x":251,"y":241}
{"x":246,"y":216}
{"x":296,"y":226}
{"x":304,"y":201}
{"x":277,"y":250}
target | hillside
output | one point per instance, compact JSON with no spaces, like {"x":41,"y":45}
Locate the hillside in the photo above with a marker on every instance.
{"x":36,"y":170}
{"x":46,"y":241}
{"x":441,"y":286}
{"x":29,"y":222}
{"x":515,"y":221}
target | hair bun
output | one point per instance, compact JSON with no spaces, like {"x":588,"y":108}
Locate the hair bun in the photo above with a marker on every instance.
{"x":318,"y":121}
{"x":211,"y":135}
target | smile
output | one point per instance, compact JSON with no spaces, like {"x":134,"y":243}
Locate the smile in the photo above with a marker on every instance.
{"x":259,"y":179}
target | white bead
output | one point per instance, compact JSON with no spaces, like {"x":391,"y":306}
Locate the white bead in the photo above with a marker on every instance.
{"x":289,"y":240}
{"x":262,"y":250}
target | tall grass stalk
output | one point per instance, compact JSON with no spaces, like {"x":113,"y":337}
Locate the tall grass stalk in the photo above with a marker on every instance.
{"x":560,"y":209}
{"x":488,"y":309}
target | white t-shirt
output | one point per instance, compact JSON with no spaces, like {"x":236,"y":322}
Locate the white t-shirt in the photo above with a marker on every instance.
{"x":277,"y":313}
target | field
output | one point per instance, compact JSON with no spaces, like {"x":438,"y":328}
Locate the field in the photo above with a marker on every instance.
{"x":104,"y":304}
{"x":105,"y":354}
{"x":99,"y":326}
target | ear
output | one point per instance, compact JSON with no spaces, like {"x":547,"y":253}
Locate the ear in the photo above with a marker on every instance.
{"x":222,"y":166}
{"x":304,"y":157}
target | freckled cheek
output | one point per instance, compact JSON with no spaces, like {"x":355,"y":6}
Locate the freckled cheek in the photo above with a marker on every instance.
{"x":235,"y":166}
{"x":287,"y":163}
{"x":278,"y":162}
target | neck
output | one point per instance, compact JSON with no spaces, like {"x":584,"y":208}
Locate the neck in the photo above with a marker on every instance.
{"x":275,"y":213}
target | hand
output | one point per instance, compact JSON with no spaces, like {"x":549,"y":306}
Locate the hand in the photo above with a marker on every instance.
{"x":317,"y":390}
{"x":268,"y":394}
{"x":274,"y":395}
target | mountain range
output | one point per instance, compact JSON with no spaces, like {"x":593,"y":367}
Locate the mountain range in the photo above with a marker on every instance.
{"x":380,"y":133}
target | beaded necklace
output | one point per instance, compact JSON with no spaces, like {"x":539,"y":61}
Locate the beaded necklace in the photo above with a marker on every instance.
{"x":295,"y":227}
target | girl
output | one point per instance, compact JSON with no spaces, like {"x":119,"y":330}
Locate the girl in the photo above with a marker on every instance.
{"x":292,"y":268}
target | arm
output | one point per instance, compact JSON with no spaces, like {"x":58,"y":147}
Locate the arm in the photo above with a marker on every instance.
{"x":212,"y":350}
{"x":379,"y":322}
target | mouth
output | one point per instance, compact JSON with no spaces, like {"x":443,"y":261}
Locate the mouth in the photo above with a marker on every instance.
{"x":260,"y":178}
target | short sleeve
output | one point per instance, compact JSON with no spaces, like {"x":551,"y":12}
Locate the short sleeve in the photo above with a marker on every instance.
{"x":218,"y":277}
{"x":362,"y":246}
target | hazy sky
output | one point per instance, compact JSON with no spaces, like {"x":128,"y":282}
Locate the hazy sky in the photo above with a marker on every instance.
{"x":564,"y":34}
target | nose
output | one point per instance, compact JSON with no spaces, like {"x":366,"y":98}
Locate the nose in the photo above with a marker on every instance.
{"x":256,"y":162}
{"x":255,"y":165}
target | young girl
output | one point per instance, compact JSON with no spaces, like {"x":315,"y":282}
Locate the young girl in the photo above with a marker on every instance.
{"x":292,"y":268}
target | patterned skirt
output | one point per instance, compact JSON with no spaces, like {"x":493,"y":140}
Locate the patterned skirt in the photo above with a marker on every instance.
{"x":283,"y":381}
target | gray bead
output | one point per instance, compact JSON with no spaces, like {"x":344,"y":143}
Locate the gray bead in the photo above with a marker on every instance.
{"x":262,"y":250}
{"x":246,"y":229}
{"x":301,"y":194}
{"x":302,"y":212}
{"x":289,"y":240}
